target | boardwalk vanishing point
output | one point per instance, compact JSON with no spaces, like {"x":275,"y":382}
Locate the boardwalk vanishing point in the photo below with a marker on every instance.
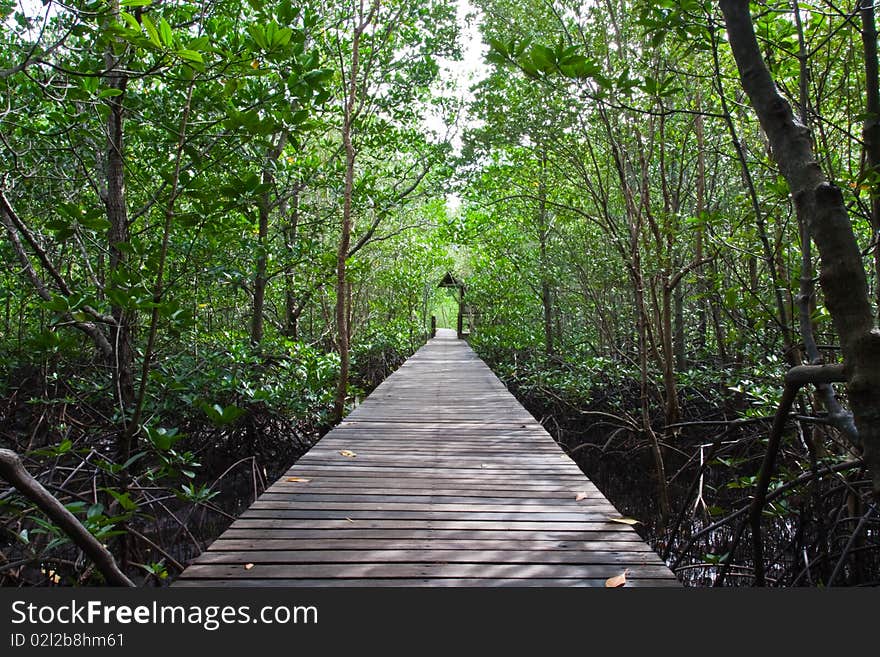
{"x":439,"y":478}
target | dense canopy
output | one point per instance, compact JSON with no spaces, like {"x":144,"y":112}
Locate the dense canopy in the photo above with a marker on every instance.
{"x":224,"y":223}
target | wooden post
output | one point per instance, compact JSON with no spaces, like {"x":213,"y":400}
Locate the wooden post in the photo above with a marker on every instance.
{"x":460,"y":326}
{"x":433,"y":326}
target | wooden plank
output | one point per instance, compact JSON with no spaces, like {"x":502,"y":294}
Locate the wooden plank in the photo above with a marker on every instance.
{"x":414,"y":524}
{"x":437,"y":460}
{"x":577,"y":509}
{"x":419,"y":516}
{"x":632,"y":582}
{"x":407,"y":448}
{"x":379,"y":496}
{"x":453,"y":483}
{"x":418,"y":570}
{"x":593,"y":557}
{"x":409,"y":532}
{"x":404,"y":486}
{"x":475,"y":475}
{"x":283,"y":515}
{"x":476,"y":471}
{"x":511,"y":464}
{"x":291,"y":545}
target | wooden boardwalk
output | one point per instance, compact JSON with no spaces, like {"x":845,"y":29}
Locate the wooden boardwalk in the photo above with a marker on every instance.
{"x":440,"y":478}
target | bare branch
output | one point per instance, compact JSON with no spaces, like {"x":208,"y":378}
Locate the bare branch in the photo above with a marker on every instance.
{"x":12,"y":470}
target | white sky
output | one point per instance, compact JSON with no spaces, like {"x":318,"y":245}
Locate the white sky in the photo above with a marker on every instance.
{"x":462,"y":74}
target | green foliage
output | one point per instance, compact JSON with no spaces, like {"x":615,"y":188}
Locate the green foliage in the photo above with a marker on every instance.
{"x":622,"y":226}
{"x":223,"y":382}
{"x":228,"y":119}
{"x":538,"y":60}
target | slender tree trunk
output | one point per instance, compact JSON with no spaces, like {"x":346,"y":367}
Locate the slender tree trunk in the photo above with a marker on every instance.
{"x":342,"y":314}
{"x":260,"y":279}
{"x":159,"y":286}
{"x":264,"y":209}
{"x":669,"y":383}
{"x":7,"y":315}
{"x":669,"y":331}
{"x":842,"y":274}
{"x":718,"y":328}
{"x":292,"y":310}
{"x":342,"y":332}
{"x":118,"y":235}
{"x":700,"y":210}
{"x":543,"y":234}
{"x":644,"y":378}
{"x":679,"y":329}
{"x":634,"y":229}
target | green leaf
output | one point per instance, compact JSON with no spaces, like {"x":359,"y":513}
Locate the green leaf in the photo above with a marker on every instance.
{"x":498,"y":48}
{"x":124,"y":499}
{"x":496,"y":58}
{"x":75,"y":507}
{"x":161,"y":438}
{"x":90,"y":83}
{"x":716,"y":558}
{"x":134,"y":458}
{"x":57,"y":303}
{"x":165,"y":32}
{"x":259,"y":36}
{"x":190,"y":55}
{"x":282,"y":37}
{"x":578,"y":67}
{"x":731,"y":297}
{"x":151,"y":31}
{"x":220,"y":415}
{"x":94,"y":219}
{"x":131,"y":21}
{"x":135,"y":3}
{"x":108,"y":93}
{"x":543,"y":58}
{"x":199,"y":43}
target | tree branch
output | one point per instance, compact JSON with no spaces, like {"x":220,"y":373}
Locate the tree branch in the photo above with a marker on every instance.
{"x":12,"y":470}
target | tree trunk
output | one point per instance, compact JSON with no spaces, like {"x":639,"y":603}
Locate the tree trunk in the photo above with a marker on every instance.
{"x":679,"y":332}
{"x":842,"y":275}
{"x":642,"y":328}
{"x":292,"y":310}
{"x":342,"y":328}
{"x":260,"y":280}
{"x":119,"y":234}
{"x":700,"y":210}
{"x":667,"y":337}
{"x":13,"y":471}
{"x":264,"y":208}
{"x":543,"y":232}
